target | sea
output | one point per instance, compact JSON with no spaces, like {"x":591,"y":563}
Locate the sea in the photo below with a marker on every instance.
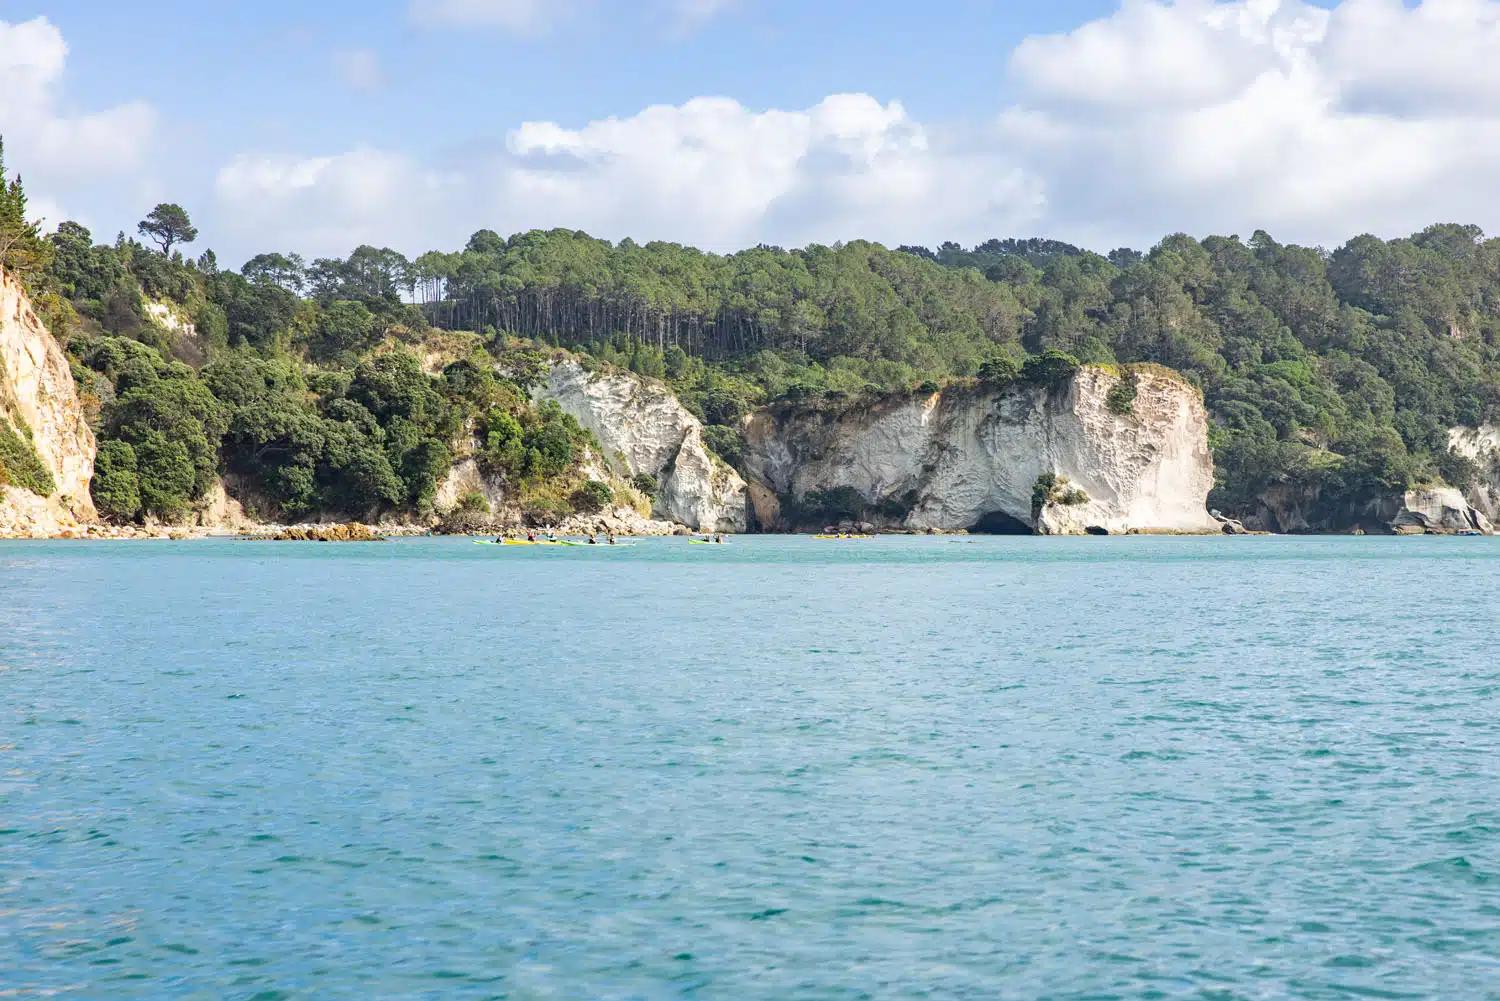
{"x":773,"y":770}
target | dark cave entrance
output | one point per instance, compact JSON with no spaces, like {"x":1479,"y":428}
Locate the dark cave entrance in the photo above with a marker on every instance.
{"x":1000,"y":523}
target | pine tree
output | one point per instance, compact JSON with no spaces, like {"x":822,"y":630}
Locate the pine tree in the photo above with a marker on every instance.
{"x":23,"y":252}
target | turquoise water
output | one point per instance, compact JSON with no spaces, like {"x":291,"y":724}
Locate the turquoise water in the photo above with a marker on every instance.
{"x":783,"y":769}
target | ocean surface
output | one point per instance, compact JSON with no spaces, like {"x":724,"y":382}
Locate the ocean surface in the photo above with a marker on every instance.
{"x":783,"y":769}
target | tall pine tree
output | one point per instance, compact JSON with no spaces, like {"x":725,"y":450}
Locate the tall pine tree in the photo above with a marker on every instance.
{"x":23,"y":252}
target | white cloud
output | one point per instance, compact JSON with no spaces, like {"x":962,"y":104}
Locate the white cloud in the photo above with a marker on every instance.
{"x":519,"y":16}
{"x":1273,"y":114}
{"x":1194,"y":115}
{"x":709,"y":172}
{"x":62,"y":157}
{"x":39,"y":137}
{"x":359,"y":69}
{"x":536,"y":17}
{"x":691,"y":14}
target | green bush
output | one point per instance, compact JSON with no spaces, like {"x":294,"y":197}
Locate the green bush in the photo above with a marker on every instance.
{"x":725,"y":442}
{"x":999,"y":372}
{"x":22,"y":465}
{"x":1121,"y":396}
{"x":474,"y":501}
{"x":165,"y":470}
{"x":116,"y":488}
{"x":645,"y":483}
{"x":1050,"y":369}
{"x":593,"y":496}
{"x":1053,"y":489}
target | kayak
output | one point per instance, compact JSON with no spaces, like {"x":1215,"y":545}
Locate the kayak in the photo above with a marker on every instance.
{"x":705,"y":542}
{"x":548,"y":542}
{"x":524,"y":542}
{"x":843,"y":536}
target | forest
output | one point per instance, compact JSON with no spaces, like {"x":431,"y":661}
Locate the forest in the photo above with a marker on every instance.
{"x":1338,"y":372}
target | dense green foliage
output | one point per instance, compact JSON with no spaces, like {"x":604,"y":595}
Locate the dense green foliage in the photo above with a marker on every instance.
{"x":19,"y":464}
{"x":1337,"y":374}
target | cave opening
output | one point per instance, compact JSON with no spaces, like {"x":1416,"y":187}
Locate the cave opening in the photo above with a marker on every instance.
{"x":1000,"y":523}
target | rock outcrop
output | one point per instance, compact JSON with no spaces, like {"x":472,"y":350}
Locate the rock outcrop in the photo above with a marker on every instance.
{"x":1481,"y":446}
{"x":1286,"y":509}
{"x":39,"y":404}
{"x":971,"y":458}
{"x":1431,"y":510}
{"x":642,"y":428}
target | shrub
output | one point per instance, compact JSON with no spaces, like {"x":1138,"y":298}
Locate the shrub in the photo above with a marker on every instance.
{"x":928,"y":387}
{"x":166,"y":475}
{"x":1053,"y":489}
{"x":725,"y":442}
{"x":592,"y":496}
{"x":1457,"y":470}
{"x":999,"y":372}
{"x":474,"y":501}
{"x":1049,"y":370}
{"x":645,"y":483}
{"x":23,"y":467}
{"x":1121,"y":396}
{"x":116,"y":489}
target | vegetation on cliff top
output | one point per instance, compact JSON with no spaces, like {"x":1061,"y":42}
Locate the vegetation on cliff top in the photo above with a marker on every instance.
{"x":1335,"y":372}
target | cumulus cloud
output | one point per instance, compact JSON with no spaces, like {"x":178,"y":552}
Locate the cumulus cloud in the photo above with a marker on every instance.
{"x":1206,"y":116}
{"x":709,"y":172}
{"x":53,"y":148}
{"x":1275,"y":114}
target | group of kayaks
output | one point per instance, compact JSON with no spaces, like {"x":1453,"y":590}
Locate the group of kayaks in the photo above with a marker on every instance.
{"x":715,"y":540}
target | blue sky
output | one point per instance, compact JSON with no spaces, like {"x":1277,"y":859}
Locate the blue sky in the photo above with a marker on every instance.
{"x":315,"y":126}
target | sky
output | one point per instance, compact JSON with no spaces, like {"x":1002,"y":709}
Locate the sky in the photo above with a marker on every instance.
{"x":314,"y":127}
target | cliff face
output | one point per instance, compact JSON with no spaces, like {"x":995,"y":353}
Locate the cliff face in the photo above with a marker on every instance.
{"x":643,"y":427}
{"x":971,"y":459}
{"x":1482,"y":446}
{"x":39,"y":403}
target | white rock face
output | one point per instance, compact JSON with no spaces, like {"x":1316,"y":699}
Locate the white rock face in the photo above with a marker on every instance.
{"x":1437,"y":509}
{"x":954,"y":459}
{"x":643,"y":427}
{"x":37,"y":393}
{"x":465,"y":478}
{"x":168,"y":316}
{"x":1482,"y":445}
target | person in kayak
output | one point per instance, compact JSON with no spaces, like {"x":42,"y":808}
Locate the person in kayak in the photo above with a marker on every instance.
{"x":593,"y":541}
{"x":611,"y":538}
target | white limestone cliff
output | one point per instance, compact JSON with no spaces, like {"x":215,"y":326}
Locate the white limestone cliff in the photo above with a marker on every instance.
{"x":40,"y":403}
{"x":1481,"y":445}
{"x":969,"y":458}
{"x":643,"y":428}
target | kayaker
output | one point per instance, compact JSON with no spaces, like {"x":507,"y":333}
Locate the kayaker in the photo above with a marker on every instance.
{"x":611,"y":538}
{"x":593,"y":541}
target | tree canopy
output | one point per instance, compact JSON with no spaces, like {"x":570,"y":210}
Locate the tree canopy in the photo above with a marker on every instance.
{"x":1339,"y":372}
{"x":167,"y":226}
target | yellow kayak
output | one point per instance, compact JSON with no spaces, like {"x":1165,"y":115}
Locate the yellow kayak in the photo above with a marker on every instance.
{"x":523,"y":542}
